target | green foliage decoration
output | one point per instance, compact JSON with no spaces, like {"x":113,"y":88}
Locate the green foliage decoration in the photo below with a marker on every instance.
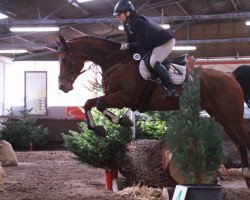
{"x":151,"y":125}
{"x":24,"y":131}
{"x":96,"y":151}
{"x":195,"y":141}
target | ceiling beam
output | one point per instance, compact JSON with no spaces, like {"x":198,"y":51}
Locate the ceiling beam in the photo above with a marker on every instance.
{"x":35,"y":55}
{"x":182,"y":9}
{"x":111,"y":3}
{"x":78,"y":31}
{"x":57,"y":10}
{"x":143,"y":5}
{"x":160,"y":4}
{"x":26,"y":45}
{"x":234,"y":4}
{"x":33,"y":44}
{"x":178,"y":42}
{"x":79,"y":7}
{"x":114,"y":20}
{"x":13,"y":34}
{"x":206,"y":41}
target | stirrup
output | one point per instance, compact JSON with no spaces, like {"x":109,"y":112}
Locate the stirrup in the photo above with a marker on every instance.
{"x":171,"y":93}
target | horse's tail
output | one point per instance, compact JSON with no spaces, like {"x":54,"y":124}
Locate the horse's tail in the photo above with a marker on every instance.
{"x":242,"y":75}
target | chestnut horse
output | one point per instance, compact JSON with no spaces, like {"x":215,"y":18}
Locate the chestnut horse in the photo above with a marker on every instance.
{"x":221,"y":94}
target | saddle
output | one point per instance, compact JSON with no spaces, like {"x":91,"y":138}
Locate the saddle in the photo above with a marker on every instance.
{"x":177,"y":69}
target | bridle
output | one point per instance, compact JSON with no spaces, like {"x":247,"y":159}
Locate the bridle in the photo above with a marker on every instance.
{"x":72,"y":73}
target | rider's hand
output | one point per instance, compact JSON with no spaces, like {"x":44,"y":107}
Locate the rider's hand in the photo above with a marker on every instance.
{"x":124,"y":47}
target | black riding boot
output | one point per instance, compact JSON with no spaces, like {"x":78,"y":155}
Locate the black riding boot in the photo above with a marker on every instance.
{"x":166,"y":79}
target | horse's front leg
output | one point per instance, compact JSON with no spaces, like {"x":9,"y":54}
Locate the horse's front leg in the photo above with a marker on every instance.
{"x":116,"y":100}
{"x":99,"y":130}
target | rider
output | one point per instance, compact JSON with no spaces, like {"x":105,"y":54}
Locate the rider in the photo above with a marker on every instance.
{"x":145,"y":35}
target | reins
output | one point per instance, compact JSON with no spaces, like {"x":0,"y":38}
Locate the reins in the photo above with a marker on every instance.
{"x":71,"y":72}
{"x":110,"y":69}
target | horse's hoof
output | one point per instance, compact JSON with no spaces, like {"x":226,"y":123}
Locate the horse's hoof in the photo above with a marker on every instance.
{"x":100,"y":131}
{"x":246,"y":173}
{"x":125,"y":121}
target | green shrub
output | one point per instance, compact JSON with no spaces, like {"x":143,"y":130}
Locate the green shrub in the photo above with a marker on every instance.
{"x":24,"y":131}
{"x":96,"y":151}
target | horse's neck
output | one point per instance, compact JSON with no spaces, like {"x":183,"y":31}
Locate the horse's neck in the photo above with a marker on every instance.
{"x":98,"y":52}
{"x":102,"y":53}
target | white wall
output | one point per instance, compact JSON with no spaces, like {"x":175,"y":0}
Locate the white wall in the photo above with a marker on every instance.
{"x":14,"y":84}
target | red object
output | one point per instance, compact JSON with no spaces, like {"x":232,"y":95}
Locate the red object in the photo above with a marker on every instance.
{"x":75,"y":112}
{"x":115,"y":173}
{"x":190,"y":63}
{"x":109,"y":178}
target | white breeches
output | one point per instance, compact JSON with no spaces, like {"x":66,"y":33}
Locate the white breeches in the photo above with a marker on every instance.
{"x":161,"y":53}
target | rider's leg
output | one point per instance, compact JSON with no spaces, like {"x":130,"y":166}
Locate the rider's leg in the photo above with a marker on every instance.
{"x":166,"y":79}
{"x":159,"y":54}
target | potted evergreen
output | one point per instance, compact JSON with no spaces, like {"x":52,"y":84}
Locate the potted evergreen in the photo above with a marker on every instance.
{"x":196,"y":143}
{"x":24,"y":131}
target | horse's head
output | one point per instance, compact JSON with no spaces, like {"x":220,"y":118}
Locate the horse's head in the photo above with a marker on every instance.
{"x":71,"y":63}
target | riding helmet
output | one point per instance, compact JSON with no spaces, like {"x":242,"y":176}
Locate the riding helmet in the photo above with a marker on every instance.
{"x":123,"y":6}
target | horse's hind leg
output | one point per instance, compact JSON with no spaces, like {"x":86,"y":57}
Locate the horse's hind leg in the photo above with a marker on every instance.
{"x":244,"y":157}
{"x":240,"y":146}
{"x":237,"y":132}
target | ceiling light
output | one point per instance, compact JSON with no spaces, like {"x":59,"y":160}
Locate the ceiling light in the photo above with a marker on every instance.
{"x":121,"y":28}
{"x":82,"y":1}
{"x":2,"y":16}
{"x":165,"y":26}
{"x":184,"y":48}
{"x":248,"y":23}
{"x":13,"y":51}
{"x":34,"y":29}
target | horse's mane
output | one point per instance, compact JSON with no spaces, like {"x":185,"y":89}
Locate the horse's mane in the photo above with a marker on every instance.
{"x":95,"y":39}
{"x":105,"y":43}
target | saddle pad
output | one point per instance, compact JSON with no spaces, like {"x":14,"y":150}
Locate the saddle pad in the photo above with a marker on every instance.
{"x":177,"y":77}
{"x":177,"y":73}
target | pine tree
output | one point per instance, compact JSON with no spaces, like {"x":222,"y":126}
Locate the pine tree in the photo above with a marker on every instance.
{"x":96,"y":151}
{"x":195,"y":141}
{"x":24,"y":131}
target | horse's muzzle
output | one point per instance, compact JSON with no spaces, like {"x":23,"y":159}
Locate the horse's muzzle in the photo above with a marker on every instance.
{"x":65,"y":89}
{"x":65,"y":86}
{"x":62,"y":87}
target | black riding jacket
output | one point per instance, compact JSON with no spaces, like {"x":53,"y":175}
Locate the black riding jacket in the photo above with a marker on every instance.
{"x":144,"y":35}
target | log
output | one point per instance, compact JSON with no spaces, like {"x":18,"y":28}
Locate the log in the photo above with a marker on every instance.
{"x":146,"y":162}
{"x":150,"y":163}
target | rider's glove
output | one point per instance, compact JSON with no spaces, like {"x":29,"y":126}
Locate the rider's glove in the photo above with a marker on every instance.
{"x":124,"y":47}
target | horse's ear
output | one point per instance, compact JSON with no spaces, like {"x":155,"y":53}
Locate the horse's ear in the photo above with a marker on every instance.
{"x":62,"y":45}
{"x":57,"y":42}
{"x":62,"y":40}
